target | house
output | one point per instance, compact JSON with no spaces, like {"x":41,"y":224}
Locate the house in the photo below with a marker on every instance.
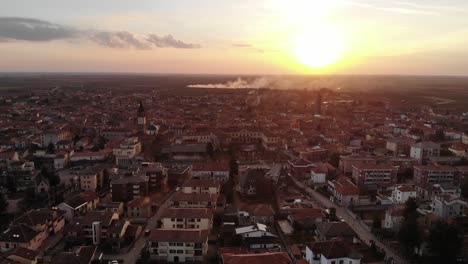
{"x":424,"y":150}
{"x":306,"y":218}
{"x":32,"y":228}
{"x":334,"y":251}
{"x":258,"y":237}
{"x":267,"y":257}
{"x":92,"y":227}
{"x":215,"y":171}
{"x":201,"y":186}
{"x":448,"y":206}
{"x":329,"y":230}
{"x":21,"y":255}
{"x":394,"y":217}
{"x":178,"y":245}
{"x":344,"y":191}
{"x":21,"y":235}
{"x":127,"y":188}
{"x":402,"y":192}
{"x":250,"y":214}
{"x":81,"y":255}
{"x":193,"y":200}
{"x":139,"y":208}
{"x":187,"y":218}
{"x":90,"y":180}
{"x":79,"y":204}
{"x":378,"y":174}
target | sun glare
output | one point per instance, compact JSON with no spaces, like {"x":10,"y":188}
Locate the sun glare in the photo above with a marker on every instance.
{"x":318,"y":48}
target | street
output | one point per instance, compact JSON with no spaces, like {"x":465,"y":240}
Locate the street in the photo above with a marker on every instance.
{"x":132,"y":255}
{"x":357,"y":225}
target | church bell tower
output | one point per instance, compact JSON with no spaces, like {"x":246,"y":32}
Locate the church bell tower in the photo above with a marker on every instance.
{"x":142,"y":126}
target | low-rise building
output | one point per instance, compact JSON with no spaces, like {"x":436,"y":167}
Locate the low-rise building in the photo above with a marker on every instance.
{"x":201,"y":186}
{"x":379,"y":174}
{"x":448,"y":206}
{"x":425,"y":150}
{"x":127,"y":151}
{"x":178,"y":245}
{"x":215,"y":171}
{"x":139,"y":208}
{"x":334,"y":251}
{"x":193,"y":200}
{"x":79,"y":204}
{"x":402,"y":192}
{"x":431,"y":174}
{"x":344,"y":191}
{"x":394,"y":217}
{"x":187,"y":218}
{"x":127,"y":188}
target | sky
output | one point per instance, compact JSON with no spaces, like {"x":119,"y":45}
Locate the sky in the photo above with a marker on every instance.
{"x":404,"y":37}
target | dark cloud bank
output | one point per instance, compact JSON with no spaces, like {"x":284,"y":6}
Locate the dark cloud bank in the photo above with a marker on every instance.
{"x":30,"y":29}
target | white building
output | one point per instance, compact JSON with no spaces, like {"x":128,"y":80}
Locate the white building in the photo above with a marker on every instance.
{"x":335,"y":251}
{"x":401,"y":193}
{"x":424,"y":150}
{"x":127,"y":150}
{"x":318,"y":176}
{"x":187,"y":218}
{"x":201,"y":186}
{"x":178,"y":245}
{"x":448,"y":206}
{"x":394,"y":217}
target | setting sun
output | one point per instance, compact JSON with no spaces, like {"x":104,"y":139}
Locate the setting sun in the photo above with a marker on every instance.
{"x":318,"y":48}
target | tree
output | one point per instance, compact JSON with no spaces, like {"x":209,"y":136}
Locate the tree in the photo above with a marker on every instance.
{"x":376,"y":222}
{"x":464,"y":187}
{"x":233,"y":167}
{"x":334,"y":159}
{"x":50,"y":148}
{"x":409,"y":234}
{"x":3,"y":205}
{"x":439,"y":135}
{"x":445,"y":242}
{"x":210,"y":149}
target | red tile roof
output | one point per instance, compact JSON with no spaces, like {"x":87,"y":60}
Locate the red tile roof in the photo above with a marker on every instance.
{"x":261,"y":258}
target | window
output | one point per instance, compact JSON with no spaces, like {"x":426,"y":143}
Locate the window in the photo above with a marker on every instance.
{"x":333,"y":262}
{"x":341,"y":261}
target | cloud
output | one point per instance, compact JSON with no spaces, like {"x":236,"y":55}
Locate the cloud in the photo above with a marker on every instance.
{"x":242,"y":45}
{"x":170,"y":41}
{"x":120,"y":39}
{"x":30,"y":29}
{"x":396,"y":7}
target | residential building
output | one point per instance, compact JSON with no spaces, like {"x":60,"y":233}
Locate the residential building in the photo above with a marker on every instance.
{"x":90,"y":180}
{"x":187,"y":218}
{"x":139,"y":208}
{"x":402,"y":192}
{"x":267,"y":257}
{"x":258,"y":237}
{"x":329,"y":230}
{"x":215,"y":171}
{"x":334,"y":251}
{"x":318,"y":176}
{"x":157,"y":174}
{"x":92,"y":227}
{"x":79,"y":204}
{"x":201,"y":186}
{"x":21,"y":255}
{"x":127,"y":151}
{"x":193,"y":200}
{"x":424,"y":150}
{"x":81,"y":255}
{"x":428,"y":175}
{"x":178,"y":245}
{"x":347,"y":162}
{"x":394,"y":217}
{"x":448,"y":206}
{"x":344,"y":191}
{"x":127,"y":188}
{"x":378,"y":174}
{"x":250,"y":214}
